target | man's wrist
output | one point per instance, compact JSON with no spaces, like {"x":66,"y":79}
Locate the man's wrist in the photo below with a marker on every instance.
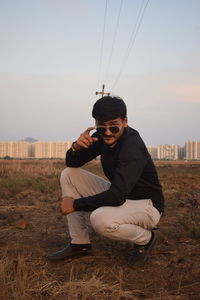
{"x":74,"y":204}
{"x":73,"y":147}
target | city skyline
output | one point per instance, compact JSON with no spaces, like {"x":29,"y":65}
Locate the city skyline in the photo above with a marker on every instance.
{"x":41,"y":149}
{"x":50,"y":67}
{"x":147,"y":145}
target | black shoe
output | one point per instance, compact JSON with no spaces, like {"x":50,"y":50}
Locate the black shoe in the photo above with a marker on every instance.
{"x":139,"y":254}
{"x":70,"y":251}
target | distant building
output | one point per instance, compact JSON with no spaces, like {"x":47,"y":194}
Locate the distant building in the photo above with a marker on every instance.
{"x":58,"y":149}
{"x":5,"y":149}
{"x":192,"y":150}
{"x":50,"y":149}
{"x":153,"y":151}
{"x":14,"y":149}
{"x":171,"y":152}
{"x":182,"y":152}
{"x":42,"y":150}
{"x":31,"y":150}
{"x":23,"y":149}
{"x":34,"y":150}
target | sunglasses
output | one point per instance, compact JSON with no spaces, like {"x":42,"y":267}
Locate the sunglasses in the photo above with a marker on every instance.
{"x":102,"y":129}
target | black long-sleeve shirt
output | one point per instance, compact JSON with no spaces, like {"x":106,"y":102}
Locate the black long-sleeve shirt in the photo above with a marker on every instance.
{"x":128,"y":166}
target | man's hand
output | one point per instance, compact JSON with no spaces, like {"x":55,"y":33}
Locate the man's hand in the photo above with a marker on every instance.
{"x":85,"y":140}
{"x":66,"y":205}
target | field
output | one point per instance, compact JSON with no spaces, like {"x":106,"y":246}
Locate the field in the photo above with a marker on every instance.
{"x":32,"y":226}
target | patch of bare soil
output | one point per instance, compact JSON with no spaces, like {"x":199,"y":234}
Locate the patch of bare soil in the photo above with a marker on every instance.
{"x":31,"y":227}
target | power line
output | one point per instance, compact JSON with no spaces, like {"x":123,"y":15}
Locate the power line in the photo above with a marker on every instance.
{"x":132,"y":39}
{"x":102,"y":43}
{"x":113,"y":42}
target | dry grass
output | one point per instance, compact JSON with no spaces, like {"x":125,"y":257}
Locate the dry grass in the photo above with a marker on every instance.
{"x":30,"y":168}
{"x":19,"y":280}
{"x":30,"y":190}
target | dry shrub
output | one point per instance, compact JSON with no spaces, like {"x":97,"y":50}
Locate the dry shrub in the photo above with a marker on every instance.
{"x":25,"y":167}
{"x":16,"y":176}
{"x":20,"y":281}
{"x":95,"y":287}
{"x":13,"y":278}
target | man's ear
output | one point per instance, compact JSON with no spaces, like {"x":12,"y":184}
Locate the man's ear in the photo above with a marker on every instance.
{"x":125,"y":122}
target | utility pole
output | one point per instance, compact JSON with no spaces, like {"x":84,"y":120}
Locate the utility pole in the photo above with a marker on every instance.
{"x":102,"y":93}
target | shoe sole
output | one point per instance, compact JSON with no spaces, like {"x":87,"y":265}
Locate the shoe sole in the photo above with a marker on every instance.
{"x":73,"y":255}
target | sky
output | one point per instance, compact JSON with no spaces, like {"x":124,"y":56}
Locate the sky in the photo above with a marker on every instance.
{"x":55,"y":54}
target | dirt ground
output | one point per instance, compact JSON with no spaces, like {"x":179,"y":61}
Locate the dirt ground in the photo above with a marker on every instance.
{"x":31,"y":226}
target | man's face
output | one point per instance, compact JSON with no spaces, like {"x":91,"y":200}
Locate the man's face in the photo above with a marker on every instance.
{"x":110,"y":131}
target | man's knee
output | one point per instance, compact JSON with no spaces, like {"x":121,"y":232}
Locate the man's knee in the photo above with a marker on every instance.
{"x":102,"y":223}
{"x":67,"y":173}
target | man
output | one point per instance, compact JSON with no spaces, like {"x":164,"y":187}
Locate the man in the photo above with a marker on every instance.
{"x":125,"y":208}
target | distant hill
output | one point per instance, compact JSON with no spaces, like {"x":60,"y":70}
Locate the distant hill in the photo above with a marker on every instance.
{"x":30,"y":140}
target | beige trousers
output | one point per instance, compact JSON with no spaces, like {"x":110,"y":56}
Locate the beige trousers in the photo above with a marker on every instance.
{"x":132,"y":221}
